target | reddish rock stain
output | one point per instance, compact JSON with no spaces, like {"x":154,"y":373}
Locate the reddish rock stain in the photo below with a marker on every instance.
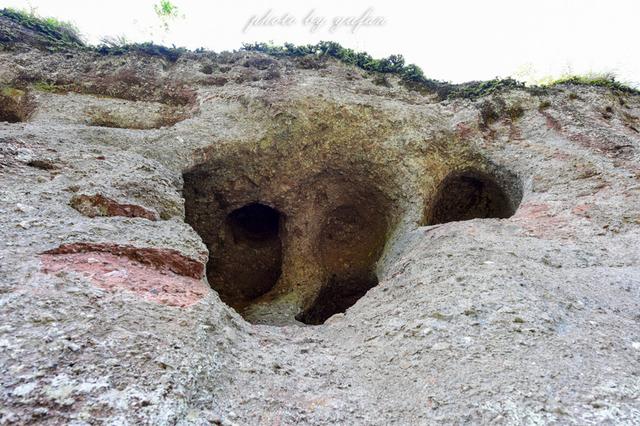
{"x":99,"y":205}
{"x":582,"y":210}
{"x":160,"y":258}
{"x":118,"y":272}
{"x":532,"y":210}
{"x":538,"y":221}
{"x":552,"y":122}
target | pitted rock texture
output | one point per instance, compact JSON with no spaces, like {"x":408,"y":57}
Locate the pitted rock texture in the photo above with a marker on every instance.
{"x":488,"y":269}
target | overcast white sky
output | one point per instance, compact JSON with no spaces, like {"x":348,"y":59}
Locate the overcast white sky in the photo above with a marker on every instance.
{"x":454,"y":40}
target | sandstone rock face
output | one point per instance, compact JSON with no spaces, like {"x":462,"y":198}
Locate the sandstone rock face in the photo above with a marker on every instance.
{"x":240,"y":239}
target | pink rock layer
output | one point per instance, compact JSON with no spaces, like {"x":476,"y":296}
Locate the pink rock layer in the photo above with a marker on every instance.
{"x":116,"y":272}
{"x":160,"y":258}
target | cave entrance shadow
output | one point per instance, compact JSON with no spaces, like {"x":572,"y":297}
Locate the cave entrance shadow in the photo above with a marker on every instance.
{"x":337,"y":296}
{"x":469,"y":195}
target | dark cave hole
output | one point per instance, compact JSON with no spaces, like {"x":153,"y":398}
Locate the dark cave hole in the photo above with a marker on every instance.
{"x":254,"y":222}
{"x":336,"y":297}
{"x":14,"y":108}
{"x":468,"y":195}
{"x":10,"y":117}
{"x":322,"y":264}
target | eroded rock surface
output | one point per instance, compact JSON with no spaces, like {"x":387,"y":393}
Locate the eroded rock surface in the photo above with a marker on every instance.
{"x":322,"y":249}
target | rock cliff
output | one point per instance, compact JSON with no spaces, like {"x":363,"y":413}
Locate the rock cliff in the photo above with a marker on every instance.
{"x":242,"y":238}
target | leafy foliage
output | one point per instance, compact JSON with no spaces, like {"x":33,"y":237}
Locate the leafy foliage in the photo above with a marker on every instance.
{"x":166,"y":11}
{"x":414,"y":77}
{"x":392,"y":64}
{"x":110,"y":47}
{"x":46,"y":86}
{"x":165,"y":8}
{"x":65,"y":35}
{"x":476,"y":89}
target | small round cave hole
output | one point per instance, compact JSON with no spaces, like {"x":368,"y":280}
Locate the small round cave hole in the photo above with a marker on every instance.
{"x":15,"y":106}
{"x":9,"y":116}
{"x":249,"y":259}
{"x":469,"y":195}
{"x":245,"y":248}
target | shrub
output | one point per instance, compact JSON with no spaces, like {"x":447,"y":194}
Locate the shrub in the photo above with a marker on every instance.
{"x":544,"y":105}
{"x":411,"y":75}
{"x":171,"y":54}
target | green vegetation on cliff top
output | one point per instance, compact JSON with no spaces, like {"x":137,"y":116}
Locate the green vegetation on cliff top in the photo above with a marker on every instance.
{"x":54,"y":31}
{"x":63,"y":35}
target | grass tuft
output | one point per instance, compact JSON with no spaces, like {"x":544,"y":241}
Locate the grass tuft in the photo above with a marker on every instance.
{"x":606,"y":80}
{"x":57,"y":32}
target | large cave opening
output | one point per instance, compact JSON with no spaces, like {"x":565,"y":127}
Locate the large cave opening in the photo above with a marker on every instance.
{"x":303,"y":254}
{"x":468,"y":195}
